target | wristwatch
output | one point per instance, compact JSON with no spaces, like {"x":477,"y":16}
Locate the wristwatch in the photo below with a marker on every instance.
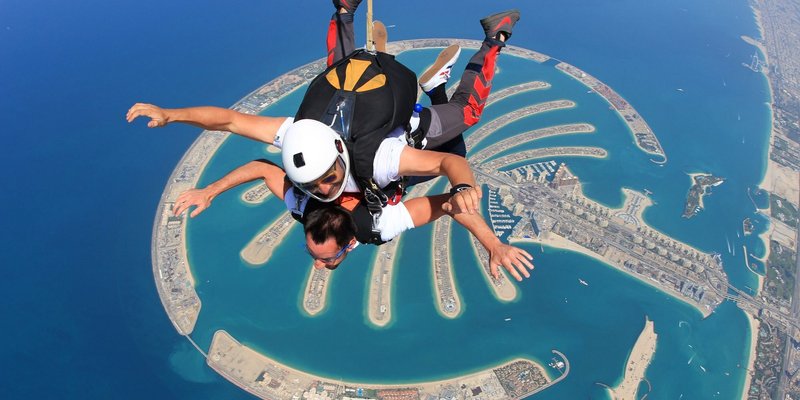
{"x":457,"y":188}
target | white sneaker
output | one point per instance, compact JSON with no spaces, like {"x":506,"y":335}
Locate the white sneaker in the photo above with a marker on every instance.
{"x":439,"y":72}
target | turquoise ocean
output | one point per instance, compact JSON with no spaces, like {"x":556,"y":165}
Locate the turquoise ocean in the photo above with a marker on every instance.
{"x":94,"y":321}
{"x":716,"y":123}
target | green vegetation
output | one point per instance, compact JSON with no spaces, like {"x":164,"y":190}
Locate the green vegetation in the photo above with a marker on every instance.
{"x":701,"y":187}
{"x":780,"y":272}
{"x":783,"y":210}
{"x":769,"y":360}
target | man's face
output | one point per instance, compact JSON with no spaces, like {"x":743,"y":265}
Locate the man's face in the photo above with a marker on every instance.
{"x":329,"y":183}
{"x":328,"y":254}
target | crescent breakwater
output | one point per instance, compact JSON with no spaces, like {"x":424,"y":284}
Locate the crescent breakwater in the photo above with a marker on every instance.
{"x":266,"y":378}
{"x":644,"y":135}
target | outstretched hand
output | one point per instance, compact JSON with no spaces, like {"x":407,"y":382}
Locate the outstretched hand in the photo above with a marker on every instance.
{"x":515,"y":260}
{"x":157,"y":115}
{"x":199,"y":198}
{"x":466,"y":201}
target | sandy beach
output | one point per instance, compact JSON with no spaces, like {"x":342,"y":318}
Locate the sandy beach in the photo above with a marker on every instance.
{"x":557,"y":241}
{"x":781,"y":181}
{"x":259,"y":250}
{"x":751,"y":358}
{"x":256,"y":373}
{"x":503,"y":289}
{"x":778,"y":179}
{"x":638,"y":361}
{"x":381,"y":280}
{"x":315,"y":297}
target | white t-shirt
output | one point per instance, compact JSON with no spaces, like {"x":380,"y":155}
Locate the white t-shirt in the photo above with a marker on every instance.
{"x":395,"y":218}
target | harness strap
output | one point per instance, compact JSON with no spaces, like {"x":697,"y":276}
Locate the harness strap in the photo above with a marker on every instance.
{"x":375,"y":200}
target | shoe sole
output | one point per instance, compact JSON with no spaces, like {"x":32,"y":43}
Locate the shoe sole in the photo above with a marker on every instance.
{"x":445,"y":56}
{"x":379,"y":36}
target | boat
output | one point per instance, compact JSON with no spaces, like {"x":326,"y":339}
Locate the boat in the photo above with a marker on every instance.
{"x":680,"y":90}
{"x":508,"y":319}
{"x":583,"y":282}
{"x":703,"y":368}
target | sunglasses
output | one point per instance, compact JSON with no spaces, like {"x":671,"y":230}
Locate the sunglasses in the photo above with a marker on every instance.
{"x":328,"y":260}
{"x":327,"y":178}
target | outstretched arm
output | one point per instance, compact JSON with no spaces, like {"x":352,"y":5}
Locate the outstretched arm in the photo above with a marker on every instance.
{"x":414,"y":162}
{"x":259,"y":169}
{"x":515,"y":260}
{"x":256,"y":127}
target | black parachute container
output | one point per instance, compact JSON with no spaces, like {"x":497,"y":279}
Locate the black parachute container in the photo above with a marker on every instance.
{"x":363,"y":97}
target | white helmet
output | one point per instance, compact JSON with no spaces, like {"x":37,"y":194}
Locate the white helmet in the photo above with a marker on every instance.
{"x":310,"y":151}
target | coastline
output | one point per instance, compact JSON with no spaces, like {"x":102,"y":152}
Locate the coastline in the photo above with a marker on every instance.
{"x":589,"y":253}
{"x":379,"y":310}
{"x":502,"y":288}
{"x":780,"y":180}
{"x":777,"y":179}
{"x":637,"y":363}
{"x":442,"y":278}
{"x":561,"y":243}
{"x":268,"y":378}
{"x":693,"y":175}
{"x":633,"y":208}
{"x":751,"y":361}
{"x":256,"y":194}
{"x":381,"y":281}
{"x":260,"y":248}
{"x":315,"y":297}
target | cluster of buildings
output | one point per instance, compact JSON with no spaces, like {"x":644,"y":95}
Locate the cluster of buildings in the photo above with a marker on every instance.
{"x":551,"y":191}
{"x":176,"y":288}
{"x":256,"y":194}
{"x":442,"y":273}
{"x":615,"y":236}
{"x":520,"y":378}
{"x":267,"y":379}
{"x":776,"y":373}
{"x":174,"y":280}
